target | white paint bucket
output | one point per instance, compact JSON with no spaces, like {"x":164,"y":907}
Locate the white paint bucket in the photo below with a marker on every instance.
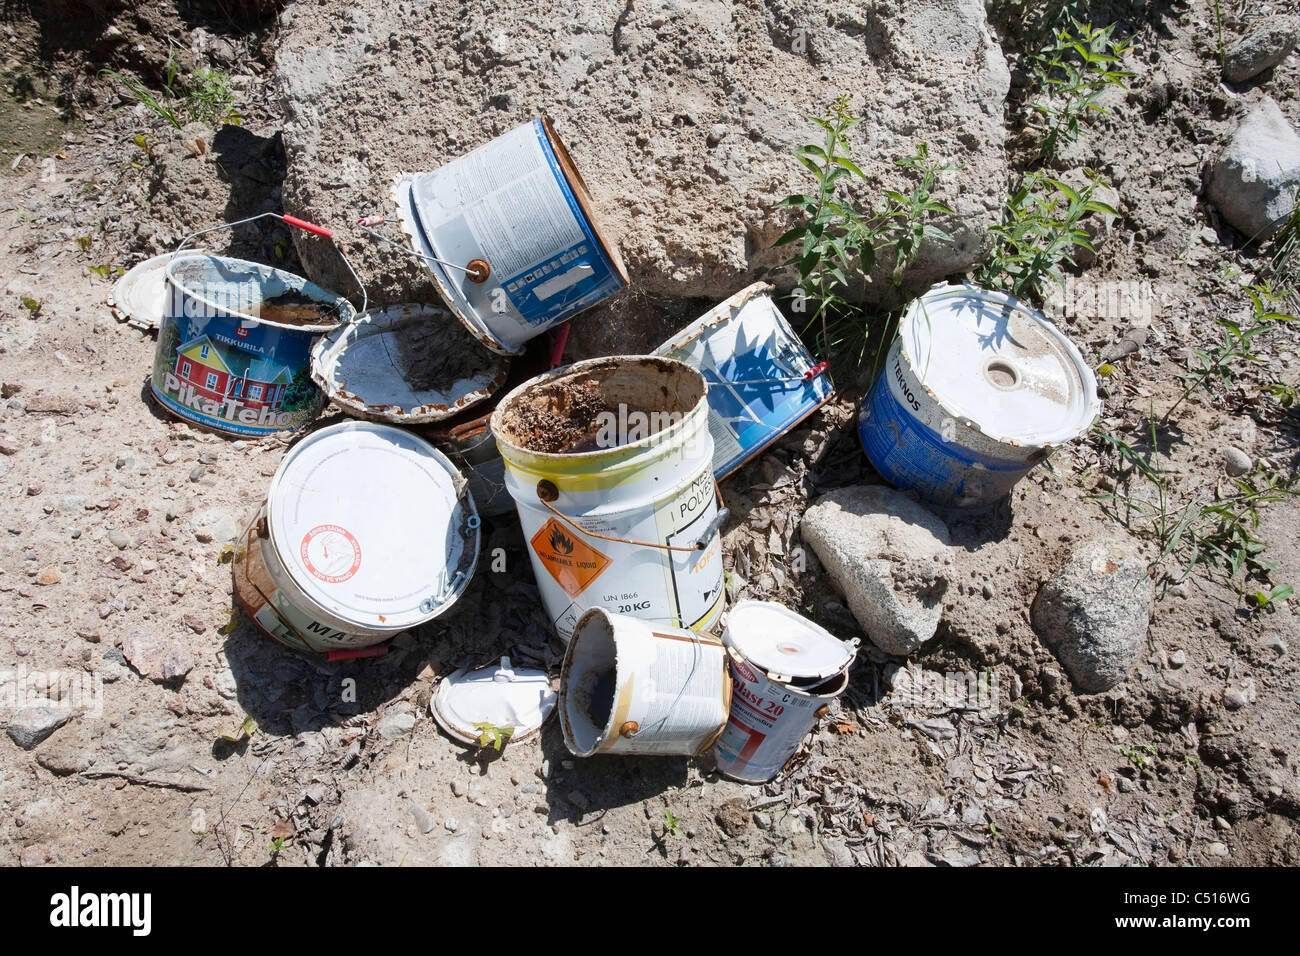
{"x":368,"y":531}
{"x":762,"y":380}
{"x":385,"y":366}
{"x":632,"y":524}
{"x":629,"y":687}
{"x":977,"y":389}
{"x":510,"y":238}
{"x":785,"y":671}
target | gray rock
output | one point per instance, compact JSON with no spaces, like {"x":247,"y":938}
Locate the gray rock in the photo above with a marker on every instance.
{"x":1265,"y":46}
{"x":197,"y":472}
{"x":213,"y":524}
{"x":35,"y":722}
{"x":72,"y":503}
{"x":690,"y":220}
{"x":155,"y":656}
{"x":890,"y":558}
{"x":395,"y":725}
{"x":119,"y":539}
{"x":1234,"y":699}
{"x":1253,"y":181}
{"x":1237,"y":461}
{"x":422,"y":819}
{"x":1093,"y":612}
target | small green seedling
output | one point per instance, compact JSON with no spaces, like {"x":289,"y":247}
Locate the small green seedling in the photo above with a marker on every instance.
{"x":1279,"y":593}
{"x":33,"y":306}
{"x":83,"y":243}
{"x":672,"y":823}
{"x":491,"y":735}
{"x":277,"y":845}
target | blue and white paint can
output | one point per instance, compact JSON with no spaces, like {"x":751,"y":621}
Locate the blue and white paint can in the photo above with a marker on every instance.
{"x":762,"y":380}
{"x":977,"y":389}
{"x":508,"y":233}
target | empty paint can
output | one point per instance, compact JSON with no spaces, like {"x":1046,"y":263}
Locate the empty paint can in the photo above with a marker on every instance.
{"x":510,"y":238}
{"x":785,"y":671}
{"x":631,"y":687}
{"x":762,"y":380}
{"x":235,"y":340}
{"x":610,"y":464}
{"x":405,"y":364}
{"x":977,"y":389}
{"x":367,"y":531}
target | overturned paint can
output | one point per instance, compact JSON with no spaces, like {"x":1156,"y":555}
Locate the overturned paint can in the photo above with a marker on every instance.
{"x":494,"y":704}
{"x":631,"y":687}
{"x":610,"y":464}
{"x":405,"y":364}
{"x":367,"y":531}
{"x":785,"y":671}
{"x":977,"y":389}
{"x":762,"y":380}
{"x":509,"y":235}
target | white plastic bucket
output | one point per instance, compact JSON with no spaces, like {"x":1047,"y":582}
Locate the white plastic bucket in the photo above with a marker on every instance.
{"x":785,"y":671}
{"x":977,"y":389}
{"x":369,"y":531}
{"x":512,"y":224}
{"x":627,"y":686}
{"x":762,"y":380}
{"x":630,"y":527}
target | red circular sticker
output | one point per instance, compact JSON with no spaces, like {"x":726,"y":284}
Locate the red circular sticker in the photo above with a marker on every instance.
{"x":330,"y":553}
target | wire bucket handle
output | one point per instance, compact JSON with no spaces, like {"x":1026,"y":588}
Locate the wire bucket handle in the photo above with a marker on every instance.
{"x":302,"y":224}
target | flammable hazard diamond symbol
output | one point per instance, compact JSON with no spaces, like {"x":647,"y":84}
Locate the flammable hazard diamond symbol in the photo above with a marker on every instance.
{"x":571,"y":561}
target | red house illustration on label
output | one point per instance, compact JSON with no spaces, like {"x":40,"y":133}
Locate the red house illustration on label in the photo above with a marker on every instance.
{"x":202,"y":365}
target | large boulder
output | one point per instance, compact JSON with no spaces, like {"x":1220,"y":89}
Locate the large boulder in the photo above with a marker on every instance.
{"x":889,"y":556}
{"x":1264,"y":47}
{"x":680,"y":115}
{"x":1254,"y":180}
{"x":1094,"y":611}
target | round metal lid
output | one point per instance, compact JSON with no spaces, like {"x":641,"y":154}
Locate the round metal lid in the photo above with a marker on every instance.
{"x":369,"y":523}
{"x":471,"y":704}
{"x":780,"y":642}
{"x":991,"y":360}
{"x":406,"y":364}
{"x":139,"y":297}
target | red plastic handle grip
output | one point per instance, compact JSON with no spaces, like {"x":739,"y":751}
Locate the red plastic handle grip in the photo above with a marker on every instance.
{"x":308,"y":226}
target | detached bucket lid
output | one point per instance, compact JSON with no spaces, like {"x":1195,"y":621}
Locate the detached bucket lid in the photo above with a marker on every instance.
{"x":499,"y":695}
{"x":785,"y":645}
{"x":993,"y":361}
{"x":407,"y":364}
{"x":370,"y":524}
{"x":139,"y":298}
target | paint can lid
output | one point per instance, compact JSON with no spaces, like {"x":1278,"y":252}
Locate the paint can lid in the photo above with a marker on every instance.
{"x":139,"y":298}
{"x":784,"y":644}
{"x":994,"y":362}
{"x":374,"y":524}
{"x":498,"y":695}
{"x":406,"y":364}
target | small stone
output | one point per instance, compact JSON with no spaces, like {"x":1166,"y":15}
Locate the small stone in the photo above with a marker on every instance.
{"x":1252,"y":182}
{"x":197,"y":472}
{"x":38,"y":854}
{"x":35,"y":722}
{"x":1216,"y":849}
{"x":1234,"y":699}
{"x":452,"y":824}
{"x":1262,"y":48}
{"x":171,"y":458}
{"x":1277,"y":645}
{"x":716,"y":133}
{"x":578,"y":799}
{"x":194,"y":623}
{"x":423,"y":821}
{"x":72,"y":504}
{"x":119,"y":539}
{"x":213,"y":524}
{"x":763,"y":820}
{"x":458,"y":788}
{"x":1237,"y":462}
{"x":395,"y":725}
{"x":528,"y":788}
{"x":176,"y":664}
{"x":1125,"y":785}
{"x":1178,"y":659}
{"x":48,"y":576}
{"x":33,"y":490}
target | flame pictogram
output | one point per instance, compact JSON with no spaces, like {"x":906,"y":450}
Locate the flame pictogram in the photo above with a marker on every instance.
{"x":559,"y":543}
